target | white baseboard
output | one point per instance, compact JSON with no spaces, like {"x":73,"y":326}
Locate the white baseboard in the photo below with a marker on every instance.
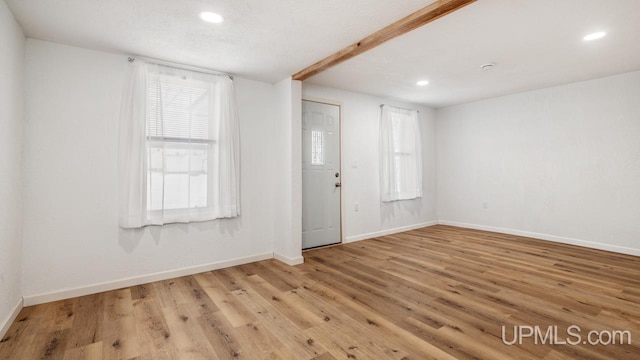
{"x":6,"y":324}
{"x":370,"y":235}
{"x":558,"y":239}
{"x":287,"y":260}
{"x":138,"y":280}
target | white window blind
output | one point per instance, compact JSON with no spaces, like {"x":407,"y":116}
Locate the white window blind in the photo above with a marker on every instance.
{"x":178,"y":108}
{"x":400,"y":154}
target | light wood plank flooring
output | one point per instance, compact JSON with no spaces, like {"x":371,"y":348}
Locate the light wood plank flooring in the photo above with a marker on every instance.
{"x":434,"y":293}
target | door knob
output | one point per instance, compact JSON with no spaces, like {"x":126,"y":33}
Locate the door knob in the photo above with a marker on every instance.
{"x":338,"y":184}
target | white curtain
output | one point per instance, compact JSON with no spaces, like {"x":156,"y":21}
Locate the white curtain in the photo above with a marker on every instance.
{"x":132,"y":157}
{"x":400,"y":154}
{"x":179,"y":147}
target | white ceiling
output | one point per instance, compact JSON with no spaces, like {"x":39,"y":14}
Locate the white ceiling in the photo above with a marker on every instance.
{"x":535,"y":43}
{"x":259,"y":39}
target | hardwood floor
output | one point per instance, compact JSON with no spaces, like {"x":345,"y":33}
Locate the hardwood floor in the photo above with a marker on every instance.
{"x":433,"y":293}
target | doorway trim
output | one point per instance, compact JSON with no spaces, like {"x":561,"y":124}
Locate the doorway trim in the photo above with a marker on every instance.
{"x":339,"y":104}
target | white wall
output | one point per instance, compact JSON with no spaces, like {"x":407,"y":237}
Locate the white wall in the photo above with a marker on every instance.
{"x":287,"y":199}
{"x":71,"y":234}
{"x":11,"y":114}
{"x":360,"y":166}
{"x":562,"y":163}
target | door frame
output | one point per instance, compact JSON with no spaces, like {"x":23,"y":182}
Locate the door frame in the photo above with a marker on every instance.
{"x":339,"y":105}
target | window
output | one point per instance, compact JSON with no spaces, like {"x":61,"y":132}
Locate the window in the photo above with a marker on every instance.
{"x":400,"y":154}
{"x":317,"y":147}
{"x":181,"y":163}
{"x":179,"y":144}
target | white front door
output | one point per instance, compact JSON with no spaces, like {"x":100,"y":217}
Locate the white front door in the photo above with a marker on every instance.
{"x":320,"y":174}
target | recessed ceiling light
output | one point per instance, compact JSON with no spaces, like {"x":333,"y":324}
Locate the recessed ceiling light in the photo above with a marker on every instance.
{"x":211,"y":17}
{"x":423,"y":83}
{"x":595,"y":36}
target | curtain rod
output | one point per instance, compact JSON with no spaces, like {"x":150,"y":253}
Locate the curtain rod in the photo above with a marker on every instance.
{"x":179,"y":66}
{"x":418,"y":111}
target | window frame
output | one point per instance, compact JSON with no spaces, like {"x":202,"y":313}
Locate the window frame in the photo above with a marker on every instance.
{"x":400,"y":154}
{"x":164,"y":214}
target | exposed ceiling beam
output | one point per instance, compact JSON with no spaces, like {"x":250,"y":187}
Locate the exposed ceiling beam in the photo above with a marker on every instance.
{"x":419,"y":18}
